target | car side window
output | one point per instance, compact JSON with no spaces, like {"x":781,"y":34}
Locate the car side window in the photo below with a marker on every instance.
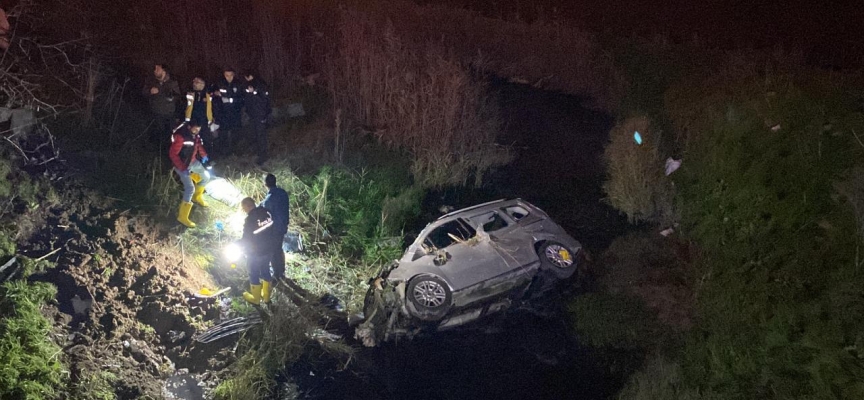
{"x":516,"y":212}
{"x":491,"y":221}
{"x":451,"y":232}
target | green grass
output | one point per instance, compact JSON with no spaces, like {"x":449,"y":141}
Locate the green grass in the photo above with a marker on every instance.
{"x":96,"y":386}
{"x":30,"y":364}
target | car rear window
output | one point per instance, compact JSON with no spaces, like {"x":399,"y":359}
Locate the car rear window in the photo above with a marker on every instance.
{"x":516,"y":212}
{"x":449,"y":233}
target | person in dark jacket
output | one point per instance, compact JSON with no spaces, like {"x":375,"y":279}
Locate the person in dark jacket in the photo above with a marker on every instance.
{"x":162,"y":93}
{"x":257,"y":98}
{"x":228,"y":95}
{"x":276,"y":202}
{"x":186,"y":150}
{"x":257,"y":242}
{"x":199,"y":109}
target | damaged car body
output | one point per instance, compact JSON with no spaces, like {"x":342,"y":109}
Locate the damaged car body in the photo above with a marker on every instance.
{"x":465,"y":265}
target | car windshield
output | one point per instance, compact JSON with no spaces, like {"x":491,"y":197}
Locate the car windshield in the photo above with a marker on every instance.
{"x":451,"y":232}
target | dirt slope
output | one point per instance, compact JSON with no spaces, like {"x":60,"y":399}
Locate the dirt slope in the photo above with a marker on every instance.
{"x":123,"y":314}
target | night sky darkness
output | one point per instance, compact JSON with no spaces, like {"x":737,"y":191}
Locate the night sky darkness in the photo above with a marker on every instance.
{"x":830,"y":32}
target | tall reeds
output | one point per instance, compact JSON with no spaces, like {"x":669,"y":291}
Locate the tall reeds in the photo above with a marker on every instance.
{"x":416,"y":96}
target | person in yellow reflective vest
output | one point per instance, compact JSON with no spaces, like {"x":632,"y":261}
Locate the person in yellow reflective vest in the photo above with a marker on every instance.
{"x":199,"y":109}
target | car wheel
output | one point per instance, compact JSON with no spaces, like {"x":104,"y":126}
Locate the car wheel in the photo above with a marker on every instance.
{"x":557,"y":259}
{"x":430,"y":297}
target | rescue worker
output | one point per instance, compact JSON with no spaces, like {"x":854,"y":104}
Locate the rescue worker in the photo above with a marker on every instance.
{"x":162,"y":92}
{"x":257,"y":100}
{"x":229,"y":94}
{"x":199,"y":109}
{"x":186,"y":151}
{"x":276,"y":202}
{"x":257,"y":242}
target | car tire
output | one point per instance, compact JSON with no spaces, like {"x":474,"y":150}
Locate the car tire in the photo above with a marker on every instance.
{"x":553,"y":262}
{"x":429,"y":296}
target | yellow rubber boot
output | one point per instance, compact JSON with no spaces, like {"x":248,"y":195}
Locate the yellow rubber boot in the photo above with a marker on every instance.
{"x":265,"y":291}
{"x":183,"y":214}
{"x":255,"y":296}
{"x":198,"y":194}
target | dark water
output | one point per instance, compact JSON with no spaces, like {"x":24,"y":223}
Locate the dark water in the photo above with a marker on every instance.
{"x":520,"y":354}
{"x":558,"y":148}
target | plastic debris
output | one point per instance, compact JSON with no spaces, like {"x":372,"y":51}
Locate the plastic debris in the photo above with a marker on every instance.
{"x":292,"y":242}
{"x":206,"y":293}
{"x":666,"y":232}
{"x":637,"y":137}
{"x":775,"y":128}
{"x":672,"y":165}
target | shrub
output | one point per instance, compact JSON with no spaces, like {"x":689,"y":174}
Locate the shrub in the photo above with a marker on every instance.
{"x":780,"y":292}
{"x":636,"y":184}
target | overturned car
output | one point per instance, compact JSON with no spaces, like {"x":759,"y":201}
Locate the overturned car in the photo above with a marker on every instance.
{"x":467,"y":264}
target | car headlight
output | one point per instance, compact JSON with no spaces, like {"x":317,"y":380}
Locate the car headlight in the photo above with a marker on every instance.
{"x":232,"y":252}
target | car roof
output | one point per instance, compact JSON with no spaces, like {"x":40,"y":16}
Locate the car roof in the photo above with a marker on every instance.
{"x":490,"y":205}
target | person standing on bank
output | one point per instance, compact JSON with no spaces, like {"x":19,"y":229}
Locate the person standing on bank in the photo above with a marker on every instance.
{"x":199,"y":109}
{"x":276,"y":202}
{"x":229,"y":98}
{"x":187,"y":150}
{"x":162,"y":93}
{"x":257,"y":242}
{"x":257,"y":100}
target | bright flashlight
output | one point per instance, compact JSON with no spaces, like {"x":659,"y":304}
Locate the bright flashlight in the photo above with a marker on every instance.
{"x":235,"y":222}
{"x":232,"y":252}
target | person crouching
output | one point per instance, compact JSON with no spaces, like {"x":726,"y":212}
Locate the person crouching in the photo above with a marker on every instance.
{"x":257,"y":241}
{"x":187,"y":150}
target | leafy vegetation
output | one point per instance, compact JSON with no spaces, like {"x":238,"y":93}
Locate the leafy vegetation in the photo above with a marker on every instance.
{"x":769,"y":194}
{"x":780,"y":276}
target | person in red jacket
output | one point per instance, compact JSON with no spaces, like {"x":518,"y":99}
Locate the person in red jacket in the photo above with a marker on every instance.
{"x":187,"y":150}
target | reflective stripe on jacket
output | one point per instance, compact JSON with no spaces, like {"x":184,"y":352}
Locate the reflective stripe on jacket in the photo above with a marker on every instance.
{"x":185,"y":148}
{"x":199,"y":106}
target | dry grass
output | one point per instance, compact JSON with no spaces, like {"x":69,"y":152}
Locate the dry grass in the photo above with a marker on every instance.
{"x":415,"y":96}
{"x":636,"y":184}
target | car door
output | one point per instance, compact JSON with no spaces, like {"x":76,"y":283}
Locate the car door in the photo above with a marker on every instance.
{"x":463,"y":258}
{"x":507,"y":238}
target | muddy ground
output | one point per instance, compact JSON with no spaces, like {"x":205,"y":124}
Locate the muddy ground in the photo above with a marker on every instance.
{"x":124,"y":294}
